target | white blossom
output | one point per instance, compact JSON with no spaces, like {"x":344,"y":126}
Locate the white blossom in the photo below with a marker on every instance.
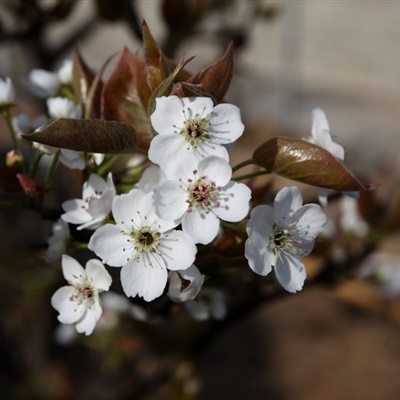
{"x":192,"y":127}
{"x":79,"y":302}
{"x":350,"y":219}
{"x":200,"y":196}
{"x":61,"y":107}
{"x":280,"y":235}
{"x":144,"y":245}
{"x":210,"y":303}
{"x":185,"y":285}
{"x":58,"y":242}
{"x":93,"y":208}
{"x":151,"y":177}
{"x":7,"y":92}
{"x":320,"y":136}
{"x":46,"y":83}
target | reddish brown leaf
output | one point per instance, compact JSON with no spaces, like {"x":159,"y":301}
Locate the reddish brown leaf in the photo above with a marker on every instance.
{"x":88,"y":135}
{"x":126,"y":95}
{"x":82,"y":77}
{"x":216,"y":78}
{"x":306,"y":162}
{"x":31,"y":188}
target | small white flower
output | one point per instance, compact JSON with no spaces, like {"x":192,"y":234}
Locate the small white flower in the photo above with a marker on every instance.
{"x":72,"y":159}
{"x":280,"y":235}
{"x":192,"y":127}
{"x":46,"y":84}
{"x":79,"y":302}
{"x":350,"y":218}
{"x":200,"y":196}
{"x":95,"y":205}
{"x":384,"y":269}
{"x":185,"y":285}
{"x":210,"y":303}
{"x":144,"y":245}
{"x":61,"y":107}
{"x":7,"y":92}
{"x":320,"y":135}
{"x":58,"y":242}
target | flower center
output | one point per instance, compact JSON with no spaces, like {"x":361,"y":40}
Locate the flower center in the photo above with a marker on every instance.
{"x":146,"y":239}
{"x":195,"y":130}
{"x":282,"y":240}
{"x":83,"y":292}
{"x":202,"y":193}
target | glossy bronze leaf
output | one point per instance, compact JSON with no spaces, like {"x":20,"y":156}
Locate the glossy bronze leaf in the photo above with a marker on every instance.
{"x":88,"y":135}
{"x":307,"y":163}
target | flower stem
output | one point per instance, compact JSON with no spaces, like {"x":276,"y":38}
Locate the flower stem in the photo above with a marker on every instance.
{"x":105,"y":167}
{"x":51,"y":169}
{"x":7,"y":117}
{"x":242,"y":164}
{"x":252,"y":175}
{"x":233,"y":227}
{"x":35,"y":164}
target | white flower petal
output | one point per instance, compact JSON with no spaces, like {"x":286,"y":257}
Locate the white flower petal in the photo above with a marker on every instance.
{"x":290,"y":273}
{"x":109,"y":242}
{"x":260,"y":261}
{"x":215,"y":169}
{"x":124,"y":206}
{"x":44,"y":83}
{"x":143,"y":281}
{"x":69,"y":311}
{"x":287,"y":200}
{"x":75,"y":211}
{"x":97,"y":273}
{"x":259,"y":227}
{"x":178,"y":249}
{"x":167,"y":114}
{"x":73,"y":271}
{"x":319,"y":121}
{"x":226,"y":123}
{"x":234,"y":202}
{"x":201,"y":226}
{"x":310,"y":220}
{"x":170,"y":200}
{"x":87,"y":323}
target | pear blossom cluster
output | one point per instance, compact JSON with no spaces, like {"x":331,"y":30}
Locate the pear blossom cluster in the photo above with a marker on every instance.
{"x":184,"y":200}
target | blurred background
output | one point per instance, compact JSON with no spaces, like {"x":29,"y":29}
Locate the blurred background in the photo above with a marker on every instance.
{"x":331,"y":341}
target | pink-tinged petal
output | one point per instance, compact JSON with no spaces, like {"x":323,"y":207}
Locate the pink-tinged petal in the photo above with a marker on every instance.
{"x":142,"y":280}
{"x":97,"y":273}
{"x":168,"y":116}
{"x":260,"y":261}
{"x":70,"y":311}
{"x":75,"y":211}
{"x":200,"y":226}
{"x":87,"y":323}
{"x":287,"y":200}
{"x":225,"y":123}
{"x":111,"y":244}
{"x":73,"y":271}
{"x":95,"y":183}
{"x":124,"y":206}
{"x":234,"y":201}
{"x":178,"y":250}
{"x":170,"y":200}
{"x":260,"y":226}
{"x":215,"y":169}
{"x":290,"y":273}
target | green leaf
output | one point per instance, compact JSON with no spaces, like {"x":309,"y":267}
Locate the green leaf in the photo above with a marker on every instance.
{"x":88,"y":135}
{"x":216,"y":78}
{"x":307,"y":163}
{"x":126,"y":95}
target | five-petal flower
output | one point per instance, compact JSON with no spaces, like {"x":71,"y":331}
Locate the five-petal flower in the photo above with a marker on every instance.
{"x":144,"y":245}
{"x":79,"y":302}
{"x":280,"y":235}
{"x":192,"y":128}
{"x":200,"y":196}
